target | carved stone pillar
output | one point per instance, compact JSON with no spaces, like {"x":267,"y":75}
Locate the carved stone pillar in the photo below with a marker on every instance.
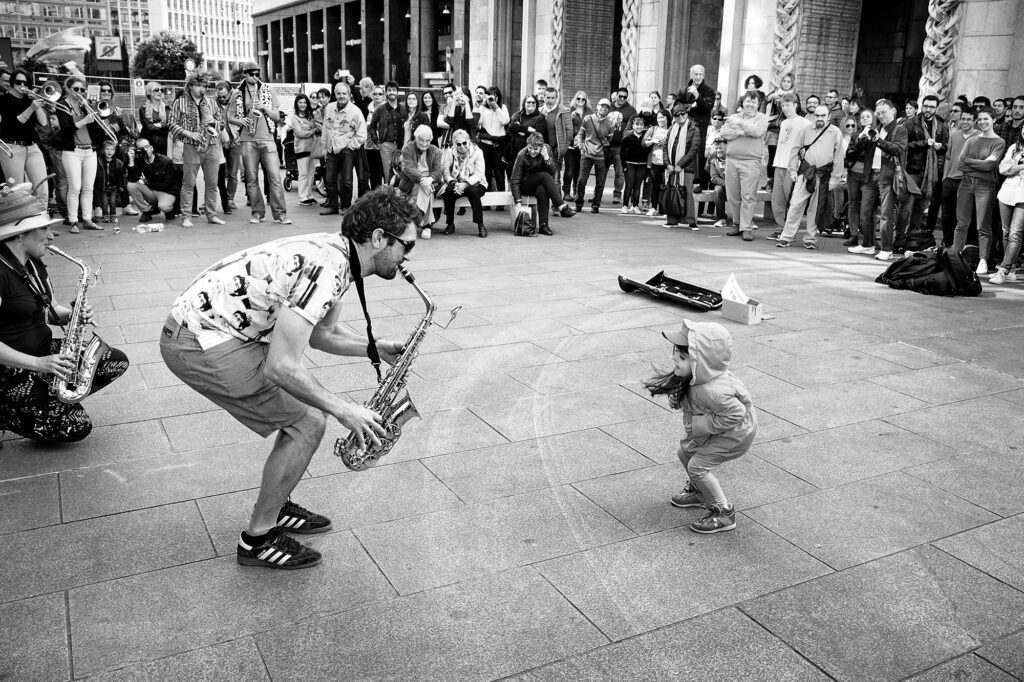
{"x":940,"y":38}
{"x":557,"y":43}
{"x":784,"y":42}
{"x":629,"y":59}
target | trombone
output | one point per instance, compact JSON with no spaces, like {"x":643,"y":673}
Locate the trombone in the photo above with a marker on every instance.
{"x":50,"y":97}
{"x":97,"y":117}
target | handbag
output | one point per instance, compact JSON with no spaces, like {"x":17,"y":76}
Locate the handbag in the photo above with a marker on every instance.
{"x":524,"y":225}
{"x":673,"y":198}
{"x":1012,"y":191}
{"x":317,"y":151}
{"x":903,"y":183}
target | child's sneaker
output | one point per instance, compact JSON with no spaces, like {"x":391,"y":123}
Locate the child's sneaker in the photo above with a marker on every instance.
{"x":716,"y":521}
{"x":278,"y":551}
{"x":295,"y":519}
{"x":688,"y":497}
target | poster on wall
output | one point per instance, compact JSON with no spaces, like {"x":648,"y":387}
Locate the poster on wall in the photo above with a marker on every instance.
{"x":108,"y":48}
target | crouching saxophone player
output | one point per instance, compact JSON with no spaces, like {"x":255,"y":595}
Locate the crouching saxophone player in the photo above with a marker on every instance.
{"x":30,"y":358}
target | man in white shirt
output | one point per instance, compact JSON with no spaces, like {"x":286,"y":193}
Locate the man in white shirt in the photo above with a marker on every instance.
{"x":344,"y":134}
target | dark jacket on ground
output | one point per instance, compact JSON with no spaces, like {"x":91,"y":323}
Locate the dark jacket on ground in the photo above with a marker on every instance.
{"x":161,"y":175}
{"x":917,"y":143}
{"x":526,"y":166}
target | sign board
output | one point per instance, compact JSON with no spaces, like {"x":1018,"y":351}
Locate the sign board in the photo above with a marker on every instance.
{"x":138,"y":87}
{"x":190,"y":65}
{"x":108,"y":48}
{"x":93,"y":92}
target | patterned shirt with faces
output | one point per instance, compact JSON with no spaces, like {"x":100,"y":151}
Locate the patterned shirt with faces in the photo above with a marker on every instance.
{"x":240,"y":296}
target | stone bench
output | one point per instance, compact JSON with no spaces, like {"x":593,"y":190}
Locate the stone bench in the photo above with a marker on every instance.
{"x":491,"y":199}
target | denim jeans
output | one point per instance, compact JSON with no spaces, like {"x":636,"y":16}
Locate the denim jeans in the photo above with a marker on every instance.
{"x":895,"y":213}
{"x":950,"y":190}
{"x":385,"y":152}
{"x":80,"y":168}
{"x":974,"y":198}
{"x":232,"y":164}
{"x":28,"y":163}
{"x":571,"y":168}
{"x":258,"y":154}
{"x":615,"y":161}
{"x":494,"y":165}
{"x":635,"y":174}
{"x":782,"y":192}
{"x":209,"y":162}
{"x":1013,"y":227}
{"x":473,"y":193}
{"x":60,"y":181}
{"x":339,"y":178}
{"x":600,"y":175}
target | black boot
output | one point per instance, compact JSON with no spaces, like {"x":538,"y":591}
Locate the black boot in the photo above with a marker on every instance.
{"x":481,"y":230}
{"x":449,"y":228}
{"x":546,"y":231}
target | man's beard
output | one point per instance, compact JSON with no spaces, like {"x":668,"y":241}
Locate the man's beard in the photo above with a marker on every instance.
{"x":819,"y":124}
{"x":384,"y":267}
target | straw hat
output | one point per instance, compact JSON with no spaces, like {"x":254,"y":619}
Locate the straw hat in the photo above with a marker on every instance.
{"x":21,"y":212}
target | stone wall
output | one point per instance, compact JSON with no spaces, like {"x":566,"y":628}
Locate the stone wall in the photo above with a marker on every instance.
{"x":481,"y":60}
{"x":746,"y":45}
{"x":827,"y":45}
{"x":989,"y":57}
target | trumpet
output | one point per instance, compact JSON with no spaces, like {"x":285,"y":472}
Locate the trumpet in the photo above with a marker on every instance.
{"x":49,"y":96}
{"x":6,"y":150}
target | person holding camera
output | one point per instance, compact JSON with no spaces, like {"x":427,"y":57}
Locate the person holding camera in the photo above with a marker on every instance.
{"x":862,"y":185}
{"x":456,"y":114}
{"x":153,"y":181}
{"x":492,"y":137}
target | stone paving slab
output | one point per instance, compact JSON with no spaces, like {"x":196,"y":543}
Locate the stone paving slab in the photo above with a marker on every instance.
{"x":640,"y":498}
{"x":865,"y":520}
{"x":991,"y":479}
{"x":912,"y":611}
{"x":969,"y":667}
{"x":29,"y":502}
{"x":102,"y":549}
{"x":907,"y":355}
{"x":851,"y":453}
{"x":979,"y":423}
{"x":631,"y":587}
{"x":1007,"y":653}
{"x":739,"y":650}
{"x":152,"y":615}
{"x":848,"y":403}
{"x":514,"y":468}
{"x":480,"y":629}
{"x":582,"y":374}
{"x":448,"y":546}
{"x":550,"y":414}
{"x":105,"y":444}
{"x":482,"y":360}
{"x":824,"y":369}
{"x":996,"y":549}
{"x":34,"y":639}
{"x":171,"y":477}
{"x":125,"y":406}
{"x":350,"y":500}
{"x":949,"y":383}
{"x":205,"y":430}
{"x":236,"y":661}
{"x":580,"y":346}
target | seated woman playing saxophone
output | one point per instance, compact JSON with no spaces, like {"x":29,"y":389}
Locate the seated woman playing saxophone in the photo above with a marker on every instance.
{"x":30,"y":359}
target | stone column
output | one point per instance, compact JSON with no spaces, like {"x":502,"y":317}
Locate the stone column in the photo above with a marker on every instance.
{"x":629,"y":53}
{"x":784,"y":42}
{"x":557,"y":43}
{"x":941,"y":32}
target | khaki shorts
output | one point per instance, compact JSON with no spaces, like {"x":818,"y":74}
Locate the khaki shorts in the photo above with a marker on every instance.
{"x":231,"y":375}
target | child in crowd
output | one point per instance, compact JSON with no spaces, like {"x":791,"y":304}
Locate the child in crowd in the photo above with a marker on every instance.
{"x":634,"y":155}
{"x":716,"y":171}
{"x":109,"y":182}
{"x":718,"y":415}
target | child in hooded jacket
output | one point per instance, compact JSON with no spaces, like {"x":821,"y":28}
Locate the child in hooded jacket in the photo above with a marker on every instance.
{"x":718,"y":414}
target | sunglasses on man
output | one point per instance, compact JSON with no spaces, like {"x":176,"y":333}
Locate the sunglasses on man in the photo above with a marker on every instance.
{"x":407,"y":245}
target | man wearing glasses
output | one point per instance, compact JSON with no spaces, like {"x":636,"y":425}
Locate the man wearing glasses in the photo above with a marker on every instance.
{"x":927,"y":139}
{"x":255,"y":110}
{"x":375,"y":166}
{"x":621,"y":117}
{"x":19,"y":116}
{"x":195,"y":119}
{"x":238,"y":335}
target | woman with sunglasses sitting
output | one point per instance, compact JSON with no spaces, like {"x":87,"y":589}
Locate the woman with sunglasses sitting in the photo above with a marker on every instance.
{"x":465,"y":175}
{"x":80,"y":137}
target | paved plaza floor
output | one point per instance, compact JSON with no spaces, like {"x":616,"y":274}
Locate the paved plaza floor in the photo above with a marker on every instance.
{"x":522,"y":528}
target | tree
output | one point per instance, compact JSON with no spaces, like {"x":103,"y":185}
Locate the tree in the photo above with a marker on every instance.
{"x":162,"y":57}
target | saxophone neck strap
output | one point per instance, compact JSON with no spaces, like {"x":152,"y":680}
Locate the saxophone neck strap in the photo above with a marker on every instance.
{"x":34,"y":278}
{"x":356,"y":272}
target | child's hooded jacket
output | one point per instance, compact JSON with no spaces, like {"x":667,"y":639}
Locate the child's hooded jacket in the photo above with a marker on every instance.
{"x":719,"y":416}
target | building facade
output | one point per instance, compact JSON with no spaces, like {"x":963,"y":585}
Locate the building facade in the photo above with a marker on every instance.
{"x":221,"y":29}
{"x":25,"y":23}
{"x":414,"y":42}
{"x":872,"y":48}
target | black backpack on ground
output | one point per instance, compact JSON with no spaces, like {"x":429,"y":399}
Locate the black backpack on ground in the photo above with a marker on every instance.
{"x":937,"y":273}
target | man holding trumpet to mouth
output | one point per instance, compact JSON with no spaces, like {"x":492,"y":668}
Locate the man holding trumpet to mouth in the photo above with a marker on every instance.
{"x":19,"y":115}
{"x":195,"y":119}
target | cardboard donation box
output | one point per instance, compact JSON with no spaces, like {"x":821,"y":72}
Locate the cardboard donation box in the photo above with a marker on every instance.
{"x":739,"y":307}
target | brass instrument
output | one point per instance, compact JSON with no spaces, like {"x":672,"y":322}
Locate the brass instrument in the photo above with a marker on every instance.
{"x":252,"y":120}
{"x":85,"y":355}
{"x":6,"y":150}
{"x":210,"y":135}
{"x":104,"y":109}
{"x":97,"y":117}
{"x":49,"y":96}
{"x":391,"y":401}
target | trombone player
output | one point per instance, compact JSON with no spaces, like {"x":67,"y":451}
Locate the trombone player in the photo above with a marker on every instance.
{"x":19,"y":116}
{"x":80,"y":136}
{"x":195,"y":119}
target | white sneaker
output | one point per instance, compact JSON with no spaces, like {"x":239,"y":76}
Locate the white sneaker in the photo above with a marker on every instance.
{"x":635,"y":211}
{"x":862,"y":249}
{"x":426,"y":233}
{"x":1011,"y":276}
{"x":998,"y":277}
{"x":215,"y":220}
{"x":283,"y":220}
{"x":982,"y":267}
{"x":883,"y":255}
{"x":187,"y":222}
{"x":722,"y":223}
{"x":651,"y":213}
{"x":625,"y":210}
{"x":256,"y":219}
{"x":129,"y":210}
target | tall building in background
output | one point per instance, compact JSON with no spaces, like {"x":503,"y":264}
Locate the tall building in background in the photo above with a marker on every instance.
{"x":27,"y":22}
{"x":222,"y":29}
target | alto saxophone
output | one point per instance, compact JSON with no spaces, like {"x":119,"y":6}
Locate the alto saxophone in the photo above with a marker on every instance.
{"x":391,"y":401}
{"x":86,"y":356}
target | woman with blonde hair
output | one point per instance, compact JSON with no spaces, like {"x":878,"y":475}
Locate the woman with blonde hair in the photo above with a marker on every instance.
{"x":579,"y":109}
{"x":153,"y":116}
{"x":80,"y":137}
